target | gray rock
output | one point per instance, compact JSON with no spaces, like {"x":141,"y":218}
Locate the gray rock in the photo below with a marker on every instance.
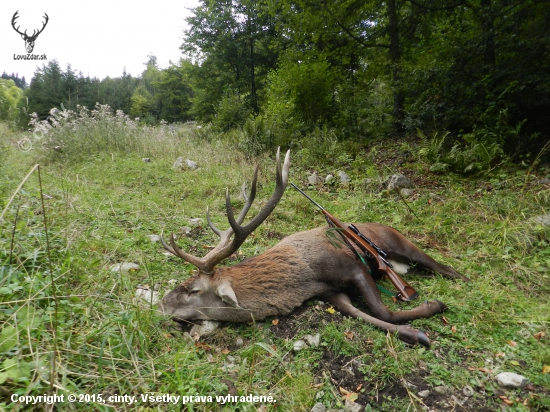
{"x":178,"y":163}
{"x":443,"y":390}
{"x":511,"y":380}
{"x":329,"y":179}
{"x":150,"y":296}
{"x":406,"y":192}
{"x":542,"y":220}
{"x":314,"y":179}
{"x":318,"y":407}
{"x":124,"y":267}
{"x":203,"y":328}
{"x":239,"y":342}
{"x":397,"y":182}
{"x":191,"y":164}
{"x":350,"y":406}
{"x":154,"y":238}
{"x":299,"y":345}
{"x":344,"y":178}
{"x":424,"y":393}
{"x":314,"y":340}
{"x":468,"y":390}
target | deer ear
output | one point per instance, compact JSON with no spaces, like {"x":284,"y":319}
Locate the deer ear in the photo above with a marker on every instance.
{"x":227,"y":294}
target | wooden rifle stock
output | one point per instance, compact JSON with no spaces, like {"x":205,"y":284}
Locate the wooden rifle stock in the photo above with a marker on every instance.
{"x":405,"y":292}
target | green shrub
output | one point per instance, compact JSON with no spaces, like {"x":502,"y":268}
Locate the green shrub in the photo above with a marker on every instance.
{"x":231,"y":112}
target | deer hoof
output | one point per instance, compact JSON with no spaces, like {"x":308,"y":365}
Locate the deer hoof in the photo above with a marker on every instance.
{"x":423,"y":340}
{"x":442,"y":306}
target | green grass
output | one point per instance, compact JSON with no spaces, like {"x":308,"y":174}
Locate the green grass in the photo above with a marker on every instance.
{"x":87,"y":333}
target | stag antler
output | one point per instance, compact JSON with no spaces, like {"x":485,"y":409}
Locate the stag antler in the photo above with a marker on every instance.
{"x":226,"y":247}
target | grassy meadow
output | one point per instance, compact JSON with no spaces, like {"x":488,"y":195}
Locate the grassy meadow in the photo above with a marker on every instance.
{"x":70,"y":325}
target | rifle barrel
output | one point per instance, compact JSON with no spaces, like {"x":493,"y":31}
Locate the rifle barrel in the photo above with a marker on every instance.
{"x":308,"y":198}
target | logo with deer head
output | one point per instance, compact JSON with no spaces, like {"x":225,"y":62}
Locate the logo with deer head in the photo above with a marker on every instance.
{"x":29,"y":40}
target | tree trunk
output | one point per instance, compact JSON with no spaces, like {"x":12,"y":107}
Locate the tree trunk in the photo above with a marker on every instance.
{"x":395,"y":57}
{"x":487,"y":30}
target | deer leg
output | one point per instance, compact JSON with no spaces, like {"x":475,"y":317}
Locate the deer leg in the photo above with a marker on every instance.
{"x":406,"y":333}
{"x":366,"y":285}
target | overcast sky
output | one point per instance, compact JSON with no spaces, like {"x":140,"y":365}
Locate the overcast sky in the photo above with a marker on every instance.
{"x":99,"y":38}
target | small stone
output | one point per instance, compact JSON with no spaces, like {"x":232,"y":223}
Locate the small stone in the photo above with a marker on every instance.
{"x":124,"y":267}
{"x":178,"y":163}
{"x":204,"y":328}
{"x":350,"y":406}
{"x":468,"y":390}
{"x":344,"y":178}
{"x":314,"y":340}
{"x":318,"y":407}
{"x":542,"y":220}
{"x":314,"y":179}
{"x":154,"y":238}
{"x":397,"y":182}
{"x":239,"y":342}
{"x":299,"y":345}
{"x":329,"y":179}
{"x":150,"y":296}
{"x":424,"y":393}
{"x":442,"y":390}
{"x":406,"y":192}
{"x":511,"y":380}
{"x":191,"y":164}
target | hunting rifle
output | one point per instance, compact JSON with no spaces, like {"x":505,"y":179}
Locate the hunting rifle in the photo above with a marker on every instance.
{"x":405,"y":292}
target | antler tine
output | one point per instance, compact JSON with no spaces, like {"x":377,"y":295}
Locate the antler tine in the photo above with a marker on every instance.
{"x":226,"y":247}
{"x":244,"y":211}
{"x":250,"y":198}
{"x":241,"y":232}
{"x":211,"y":225}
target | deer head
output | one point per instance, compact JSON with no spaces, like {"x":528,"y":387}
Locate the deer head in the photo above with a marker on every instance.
{"x":206,"y":293}
{"x":29,"y":40}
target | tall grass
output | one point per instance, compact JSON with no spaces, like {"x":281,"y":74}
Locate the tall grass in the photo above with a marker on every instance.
{"x":104,"y":202}
{"x":77,"y":135}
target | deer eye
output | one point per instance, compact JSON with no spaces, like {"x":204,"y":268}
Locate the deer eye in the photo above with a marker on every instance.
{"x":193,"y":292}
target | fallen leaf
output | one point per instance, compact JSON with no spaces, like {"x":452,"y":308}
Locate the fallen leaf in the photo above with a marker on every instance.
{"x":453,"y":329}
{"x":514,"y":362}
{"x":484,"y":370}
{"x":331,"y":310}
{"x":512,"y":343}
{"x":500,"y":355}
{"x":546,"y":369}
{"x":444,"y":319}
{"x":318,"y":385}
{"x":506,"y":400}
{"x":349,"y":335}
{"x":344,"y":391}
{"x":539,"y":335}
{"x":275,"y":322}
{"x":352,"y":396}
{"x":226,"y":351}
{"x":394,"y":299}
{"x":429,"y":201}
{"x":359,"y":387}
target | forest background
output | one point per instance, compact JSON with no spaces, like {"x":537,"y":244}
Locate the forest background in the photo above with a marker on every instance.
{"x":475,"y":72}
